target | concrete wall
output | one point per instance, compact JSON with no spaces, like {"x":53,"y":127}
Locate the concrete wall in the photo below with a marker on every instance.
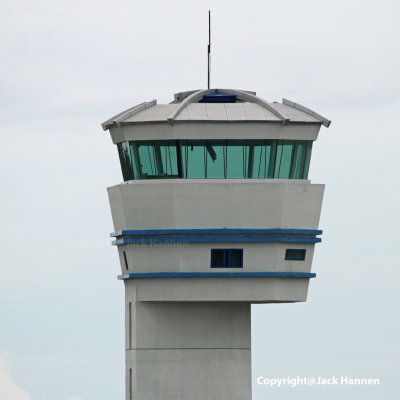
{"x":221,"y":289}
{"x":188,"y":351}
{"x":188,"y":257}
{"x":212,"y":130}
{"x":213,"y":204}
{"x":216,"y":203}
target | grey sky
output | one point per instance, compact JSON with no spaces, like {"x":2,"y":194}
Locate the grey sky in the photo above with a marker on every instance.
{"x":68,"y":66}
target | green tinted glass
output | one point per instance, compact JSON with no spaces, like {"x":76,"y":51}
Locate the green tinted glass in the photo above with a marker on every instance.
{"x":147,"y":161}
{"x":215,"y":159}
{"x":299,"y":160}
{"x":240,"y":159}
{"x":261,"y":159}
{"x":157,"y":159}
{"x":126,"y":161}
{"x":193,"y":159}
{"x":169,"y":160}
{"x":236,"y":159}
{"x":307,"y":160}
{"x":283,"y":159}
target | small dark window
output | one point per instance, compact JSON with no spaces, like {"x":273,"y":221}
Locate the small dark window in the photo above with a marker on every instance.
{"x":236,"y":258}
{"x":226,"y":258}
{"x":218,"y":258}
{"x":295,"y":254}
{"x":126,"y":261}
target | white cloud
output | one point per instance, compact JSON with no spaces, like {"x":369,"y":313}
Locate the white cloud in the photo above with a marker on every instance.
{"x":9,"y":389}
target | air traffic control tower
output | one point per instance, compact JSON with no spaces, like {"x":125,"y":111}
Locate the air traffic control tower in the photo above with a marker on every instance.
{"x":215,"y":213}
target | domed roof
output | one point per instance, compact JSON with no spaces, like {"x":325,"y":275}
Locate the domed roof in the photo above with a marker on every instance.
{"x":217,"y":105}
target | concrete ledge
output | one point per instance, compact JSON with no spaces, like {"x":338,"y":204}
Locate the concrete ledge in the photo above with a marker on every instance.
{"x":240,"y":289}
{"x":217,"y":274}
{"x":226,"y":231}
{"x":216,"y":239}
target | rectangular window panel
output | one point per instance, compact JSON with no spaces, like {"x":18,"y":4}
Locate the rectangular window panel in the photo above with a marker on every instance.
{"x":235,"y":258}
{"x":135,"y":160}
{"x":299,"y":153}
{"x":301,"y":159}
{"x":147,"y":160}
{"x":307,"y":160}
{"x":261,"y":159}
{"x":295,"y":254}
{"x":158,"y":159}
{"x":236,"y":159}
{"x":278,"y":156}
{"x":169,"y":160}
{"x":193,"y":159}
{"x":126,"y":161}
{"x":250,"y":163}
{"x":226,"y":258}
{"x":283,"y":159}
{"x":272,"y":158}
{"x":215,"y":160}
{"x":217,"y":258}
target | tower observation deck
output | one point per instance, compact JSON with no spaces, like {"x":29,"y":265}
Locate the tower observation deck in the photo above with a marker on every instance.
{"x":215,"y":213}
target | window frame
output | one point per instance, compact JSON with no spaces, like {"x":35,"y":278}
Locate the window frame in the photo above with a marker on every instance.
{"x":227,"y":258}
{"x":303,"y":253}
{"x":171,"y":159}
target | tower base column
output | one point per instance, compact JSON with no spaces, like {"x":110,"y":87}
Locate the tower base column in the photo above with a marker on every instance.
{"x":188,"y":351}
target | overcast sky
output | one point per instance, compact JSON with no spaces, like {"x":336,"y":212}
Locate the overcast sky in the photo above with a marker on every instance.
{"x":67,"y":66}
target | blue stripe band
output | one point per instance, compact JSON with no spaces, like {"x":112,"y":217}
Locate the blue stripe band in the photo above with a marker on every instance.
{"x":218,"y":274}
{"x":147,"y":232}
{"x":216,"y":239}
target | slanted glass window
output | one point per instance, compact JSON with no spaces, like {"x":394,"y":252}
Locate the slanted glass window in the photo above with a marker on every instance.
{"x":261,"y":159}
{"x":295,"y":254}
{"x":215,"y":159}
{"x":193,"y":159}
{"x":301,"y":160}
{"x":237,"y":155}
{"x":126,"y":160}
{"x":283,"y":160}
{"x":226,"y":258}
{"x":307,"y":160}
{"x":157,"y":159}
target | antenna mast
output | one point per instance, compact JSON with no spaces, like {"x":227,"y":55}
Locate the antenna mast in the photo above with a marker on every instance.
{"x":209,"y":48}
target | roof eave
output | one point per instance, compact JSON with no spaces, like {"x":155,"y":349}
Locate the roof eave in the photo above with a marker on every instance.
{"x":118,"y":119}
{"x":324,"y":121}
